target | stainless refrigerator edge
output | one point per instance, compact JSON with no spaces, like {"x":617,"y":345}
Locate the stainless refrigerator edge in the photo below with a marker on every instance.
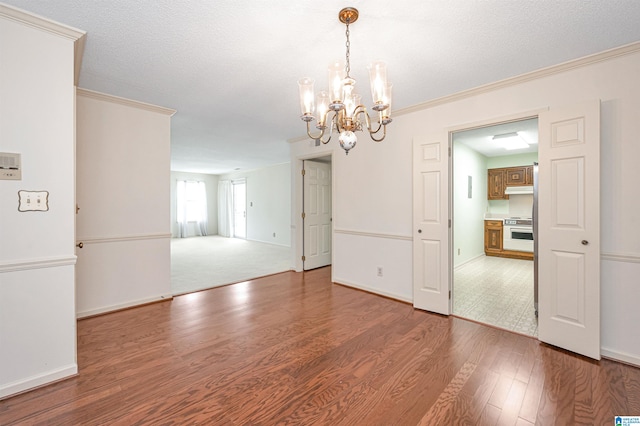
{"x":534,"y":216}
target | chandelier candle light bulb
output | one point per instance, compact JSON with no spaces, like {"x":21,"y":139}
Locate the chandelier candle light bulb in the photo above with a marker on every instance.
{"x":341,"y":105}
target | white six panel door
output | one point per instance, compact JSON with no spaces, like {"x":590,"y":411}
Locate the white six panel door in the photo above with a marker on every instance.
{"x":569,"y":228}
{"x":431,"y":223}
{"x":317,"y":214}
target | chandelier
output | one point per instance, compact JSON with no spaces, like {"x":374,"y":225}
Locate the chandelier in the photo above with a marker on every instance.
{"x":340,"y":109}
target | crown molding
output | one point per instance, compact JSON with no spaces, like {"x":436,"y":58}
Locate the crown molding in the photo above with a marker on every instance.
{"x":123,"y":101}
{"x":523,"y":78}
{"x":626,"y":49}
{"x":38,"y":22}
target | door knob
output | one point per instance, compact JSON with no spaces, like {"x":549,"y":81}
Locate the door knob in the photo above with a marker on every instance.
{"x":585,"y":242}
{"x":80,"y":245}
{"x":419,"y":231}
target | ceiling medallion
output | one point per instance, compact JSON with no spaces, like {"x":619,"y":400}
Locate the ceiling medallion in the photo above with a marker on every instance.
{"x":340,"y":109}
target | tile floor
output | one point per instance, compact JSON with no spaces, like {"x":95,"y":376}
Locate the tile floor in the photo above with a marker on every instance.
{"x":496,"y":291}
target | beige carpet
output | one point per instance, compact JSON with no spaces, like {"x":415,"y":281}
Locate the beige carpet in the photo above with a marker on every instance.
{"x":198,"y":263}
{"x":496,"y":291}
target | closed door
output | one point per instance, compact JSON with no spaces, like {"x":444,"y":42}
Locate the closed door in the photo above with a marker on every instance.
{"x":317,"y":214}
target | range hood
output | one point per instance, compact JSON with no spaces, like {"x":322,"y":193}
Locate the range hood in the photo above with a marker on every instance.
{"x":518,"y":190}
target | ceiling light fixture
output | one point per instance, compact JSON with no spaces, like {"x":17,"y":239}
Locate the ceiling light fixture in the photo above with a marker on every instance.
{"x":349,"y":115}
{"x":510,"y":141}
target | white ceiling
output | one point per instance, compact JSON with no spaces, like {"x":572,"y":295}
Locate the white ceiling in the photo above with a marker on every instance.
{"x":230,"y":67}
{"x":481,"y":139}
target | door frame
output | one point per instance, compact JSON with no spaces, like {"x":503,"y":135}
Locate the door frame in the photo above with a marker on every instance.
{"x":523,"y":115}
{"x":297,"y":190}
{"x":578,"y":344}
{"x":450,"y":131}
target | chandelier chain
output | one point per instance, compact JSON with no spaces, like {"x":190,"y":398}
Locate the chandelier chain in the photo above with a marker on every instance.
{"x":347,"y":67}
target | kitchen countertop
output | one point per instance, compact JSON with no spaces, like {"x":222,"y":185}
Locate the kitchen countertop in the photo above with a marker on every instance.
{"x":495,"y":216}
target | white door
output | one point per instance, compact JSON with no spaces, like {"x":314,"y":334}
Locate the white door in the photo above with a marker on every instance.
{"x":316,"y":214}
{"x":431,"y":261}
{"x":239,"y":209}
{"x":569,"y":228}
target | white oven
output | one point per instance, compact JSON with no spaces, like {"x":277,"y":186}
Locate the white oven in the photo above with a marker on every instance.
{"x":518,"y":235}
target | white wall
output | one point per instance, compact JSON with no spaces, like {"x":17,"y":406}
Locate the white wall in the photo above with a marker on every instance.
{"x":373,"y":184}
{"x":123,"y":161}
{"x":468,"y":217}
{"x":211,"y":185}
{"x":37,"y":294}
{"x":372,"y":210}
{"x":268,"y":203}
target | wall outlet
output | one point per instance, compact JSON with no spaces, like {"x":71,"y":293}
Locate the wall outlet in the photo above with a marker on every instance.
{"x":379,"y":271}
{"x":458,"y":252}
{"x":274,"y":235}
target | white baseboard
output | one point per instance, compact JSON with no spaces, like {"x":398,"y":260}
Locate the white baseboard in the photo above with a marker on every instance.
{"x":620,"y":356}
{"x":373,"y":290}
{"x":468,"y":261}
{"x":39,"y":380}
{"x":125,"y":305}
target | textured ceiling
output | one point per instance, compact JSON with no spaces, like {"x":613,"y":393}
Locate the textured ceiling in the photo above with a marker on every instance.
{"x":481,"y":139}
{"x":230,"y":67}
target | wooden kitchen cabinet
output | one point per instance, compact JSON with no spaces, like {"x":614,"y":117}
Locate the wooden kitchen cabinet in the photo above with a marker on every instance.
{"x":493,"y":242}
{"x":499,"y":179}
{"x":496,"y":184}
{"x":517,"y":176}
{"x":492,"y":237}
{"x":529,"y":172}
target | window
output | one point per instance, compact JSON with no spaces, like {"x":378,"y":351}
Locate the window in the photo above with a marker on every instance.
{"x":191,"y":199}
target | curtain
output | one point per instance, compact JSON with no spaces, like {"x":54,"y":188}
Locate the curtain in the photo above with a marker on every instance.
{"x":191,"y":204}
{"x":201,"y":207}
{"x":225,"y":208}
{"x":182,"y":207}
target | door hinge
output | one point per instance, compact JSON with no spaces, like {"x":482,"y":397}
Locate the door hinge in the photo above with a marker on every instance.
{"x":303,"y":172}
{"x":449,"y":223}
{"x":303,"y":215}
{"x":449,"y":294}
{"x":304,"y":258}
{"x":449,"y":151}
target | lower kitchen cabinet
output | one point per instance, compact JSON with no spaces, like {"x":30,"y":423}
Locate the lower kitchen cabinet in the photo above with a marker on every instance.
{"x":492,"y":236}
{"x":493,"y":242}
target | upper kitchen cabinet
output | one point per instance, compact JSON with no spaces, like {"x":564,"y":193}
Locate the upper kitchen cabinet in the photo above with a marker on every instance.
{"x":521,"y":175}
{"x":499,"y":179}
{"x":496,"y":184}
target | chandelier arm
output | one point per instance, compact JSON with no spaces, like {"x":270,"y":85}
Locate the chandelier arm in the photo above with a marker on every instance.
{"x":384,"y":133}
{"x":330,"y":132}
{"x":319,"y":136}
{"x":360,"y":109}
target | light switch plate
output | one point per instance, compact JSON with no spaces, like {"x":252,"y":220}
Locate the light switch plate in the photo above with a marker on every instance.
{"x":33,"y":201}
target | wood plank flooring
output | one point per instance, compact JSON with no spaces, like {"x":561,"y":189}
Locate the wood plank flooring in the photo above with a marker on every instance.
{"x":295,"y":349}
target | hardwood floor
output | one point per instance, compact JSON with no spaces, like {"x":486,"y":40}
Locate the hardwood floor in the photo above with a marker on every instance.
{"x":295,"y":349}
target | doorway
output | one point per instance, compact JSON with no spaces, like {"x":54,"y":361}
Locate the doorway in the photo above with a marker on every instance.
{"x":493,"y":274}
{"x":239,"y":209}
